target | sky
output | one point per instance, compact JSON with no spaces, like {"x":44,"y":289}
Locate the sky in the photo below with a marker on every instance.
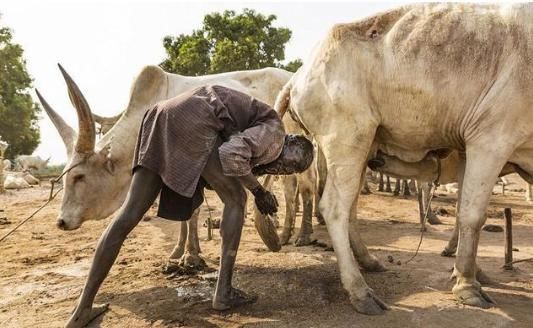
{"x":104,"y":45}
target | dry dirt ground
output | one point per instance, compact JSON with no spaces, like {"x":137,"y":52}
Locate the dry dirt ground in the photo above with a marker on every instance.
{"x":42,"y":270}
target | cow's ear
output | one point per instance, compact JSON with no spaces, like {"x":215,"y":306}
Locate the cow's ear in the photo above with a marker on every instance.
{"x":108,"y":160}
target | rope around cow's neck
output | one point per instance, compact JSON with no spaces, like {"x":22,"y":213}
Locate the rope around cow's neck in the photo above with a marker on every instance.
{"x":51,"y":197}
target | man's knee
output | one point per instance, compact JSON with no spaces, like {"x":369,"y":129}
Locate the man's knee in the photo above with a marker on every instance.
{"x":236,"y":198}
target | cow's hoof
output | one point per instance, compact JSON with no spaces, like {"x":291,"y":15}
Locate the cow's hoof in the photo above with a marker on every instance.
{"x":320,"y":219}
{"x":448,"y":252}
{"x":188,"y":264}
{"x":483,"y":278}
{"x":370,"y":304}
{"x":473,"y":297}
{"x":235,"y":298}
{"x":433,"y":219}
{"x":82,"y":318}
{"x":285,"y":237}
{"x":372,"y":264}
{"x":303,"y":240}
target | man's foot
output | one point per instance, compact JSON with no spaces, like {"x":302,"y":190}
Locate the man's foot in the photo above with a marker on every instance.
{"x":235,"y":298}
{"x":83,"y":317}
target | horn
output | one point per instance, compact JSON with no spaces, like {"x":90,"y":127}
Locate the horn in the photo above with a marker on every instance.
{"x":65,"y":131}
{"x":87,"y":132}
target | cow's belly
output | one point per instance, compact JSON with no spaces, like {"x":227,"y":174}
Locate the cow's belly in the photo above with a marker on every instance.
{"x":411,"y":143}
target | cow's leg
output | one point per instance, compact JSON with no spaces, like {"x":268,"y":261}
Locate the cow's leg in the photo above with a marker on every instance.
{"x":191,"y":260}
{"x":480,"y":169}
{"x":366,"y":188}
{"x":381,"y":185}
{"x":421,"y":206}
{"x":424,"y":195}
{"x":144,"y":188}
{"x":318,"y":215}
{"x":529,"y":193}
{"x":406,"y":189}
{"x":388,"y":187}
{"x":321,"y":175}
{"x":397,"y":187}
{"x":346,"y":164}
{"x":179,"y":249}
{"x":232,"y":194}
{"x":290,"y":190}
{"x":451,"y":247}
{"x":305,"y":187}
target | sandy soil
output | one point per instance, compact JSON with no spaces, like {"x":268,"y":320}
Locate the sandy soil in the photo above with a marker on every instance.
{"x":42,"y":270}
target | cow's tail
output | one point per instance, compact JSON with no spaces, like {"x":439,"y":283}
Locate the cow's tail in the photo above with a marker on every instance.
{"x":283,"y":101}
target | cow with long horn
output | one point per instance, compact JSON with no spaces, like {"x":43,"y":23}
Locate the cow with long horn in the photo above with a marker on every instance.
{"x":99,"y":173}
{"x":213,"y":136}
{"x":96,"y":183}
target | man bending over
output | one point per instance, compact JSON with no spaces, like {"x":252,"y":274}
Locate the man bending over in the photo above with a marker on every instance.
{"x":211,"y":136}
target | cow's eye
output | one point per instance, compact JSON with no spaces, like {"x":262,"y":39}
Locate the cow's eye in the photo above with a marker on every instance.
{"x":79,"y":177}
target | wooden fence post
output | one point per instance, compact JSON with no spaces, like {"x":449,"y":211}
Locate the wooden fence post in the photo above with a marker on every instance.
{"x":508,"y":215}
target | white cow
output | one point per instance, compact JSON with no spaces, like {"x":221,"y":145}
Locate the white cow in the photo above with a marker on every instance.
{"x":407,"y":82}
{"x":7,"y":165}
{"x":100,"y":173}
{"x":27,"y":162}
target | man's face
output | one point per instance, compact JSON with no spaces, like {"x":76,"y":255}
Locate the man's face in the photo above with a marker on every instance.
{"x":295,"y":157}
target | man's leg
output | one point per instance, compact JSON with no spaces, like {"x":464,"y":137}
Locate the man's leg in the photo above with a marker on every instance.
{"x":232,"y":194}
{"x":144,"y":188}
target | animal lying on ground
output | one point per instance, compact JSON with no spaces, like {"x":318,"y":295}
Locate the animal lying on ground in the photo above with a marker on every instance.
{"x":27,"y":163}
{"x":7,"y":165}
{"x":371,"y":83}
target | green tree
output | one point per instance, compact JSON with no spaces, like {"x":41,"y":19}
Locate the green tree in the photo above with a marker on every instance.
{"x":229,"y":42}
{"x":18,"y":112}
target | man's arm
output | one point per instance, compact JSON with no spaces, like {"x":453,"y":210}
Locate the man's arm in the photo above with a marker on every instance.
{"x":249,"y":181}
{"x":266,"y":201}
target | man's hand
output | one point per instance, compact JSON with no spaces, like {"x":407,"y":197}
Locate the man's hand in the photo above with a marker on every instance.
{"x":265,"y":200}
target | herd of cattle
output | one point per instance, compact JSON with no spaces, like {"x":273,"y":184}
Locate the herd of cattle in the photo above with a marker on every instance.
{"x":18,"y":174}
{"x":388,"y":91}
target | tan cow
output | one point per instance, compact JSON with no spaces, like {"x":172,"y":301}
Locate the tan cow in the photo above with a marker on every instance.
{"x":409,"y":81}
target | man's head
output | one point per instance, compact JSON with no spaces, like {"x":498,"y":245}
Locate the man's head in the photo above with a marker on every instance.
{"x":296,"y":156}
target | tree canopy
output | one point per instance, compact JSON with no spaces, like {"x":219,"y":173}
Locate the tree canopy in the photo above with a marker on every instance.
{"x":228,"y":42}
{"x":18,"y":112}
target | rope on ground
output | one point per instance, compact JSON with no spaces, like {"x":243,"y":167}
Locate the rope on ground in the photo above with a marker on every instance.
{"x":518,"y":261}
{"x":51,"y":197}
{"x":32,"y":215}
